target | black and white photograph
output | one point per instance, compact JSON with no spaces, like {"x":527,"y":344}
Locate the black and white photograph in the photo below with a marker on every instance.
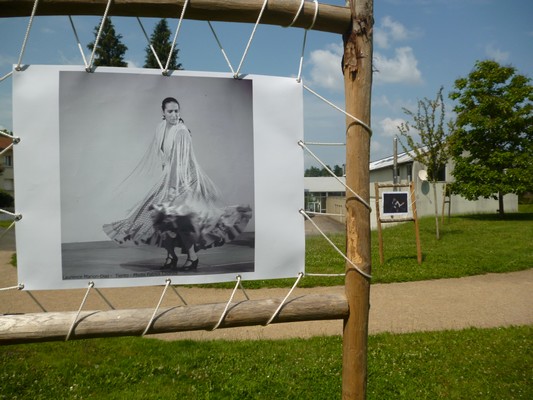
{"x":157,"y":178}
{"x":169,"y":181}
{"x":395,"y":203}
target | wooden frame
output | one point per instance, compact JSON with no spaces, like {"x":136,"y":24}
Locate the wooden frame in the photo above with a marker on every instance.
{"x":380,"y":220}
{"x":355,"y":23}
{"x":278,"y":12}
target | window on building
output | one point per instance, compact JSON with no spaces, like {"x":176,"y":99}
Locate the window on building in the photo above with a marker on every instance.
{"x":8,"y":161}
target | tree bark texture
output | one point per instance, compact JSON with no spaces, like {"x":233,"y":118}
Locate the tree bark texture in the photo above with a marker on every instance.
{"x":330,"y":18}
{"x":357,"y":65}
{"x":40,"y":327}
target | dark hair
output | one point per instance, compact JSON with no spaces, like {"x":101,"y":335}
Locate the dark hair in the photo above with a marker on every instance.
{"x":169,"y":100}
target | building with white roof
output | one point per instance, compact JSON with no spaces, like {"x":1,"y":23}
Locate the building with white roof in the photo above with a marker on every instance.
{"x":327,"y":194}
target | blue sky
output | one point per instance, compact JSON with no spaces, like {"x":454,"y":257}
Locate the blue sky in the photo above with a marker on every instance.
{"x":419,"y":45}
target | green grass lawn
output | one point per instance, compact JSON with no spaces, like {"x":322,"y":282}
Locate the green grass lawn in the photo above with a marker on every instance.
{"x":470,"y":364}
{"x":469,"y":245}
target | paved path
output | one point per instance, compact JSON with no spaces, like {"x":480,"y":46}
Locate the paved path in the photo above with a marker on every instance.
{"x":490,"y":300}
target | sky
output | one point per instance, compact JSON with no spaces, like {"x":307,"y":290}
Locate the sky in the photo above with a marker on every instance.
{"x":419,"y":46}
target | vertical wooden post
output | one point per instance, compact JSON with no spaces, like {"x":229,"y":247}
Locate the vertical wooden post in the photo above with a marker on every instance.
{"x":417,"y":230}
{"x":357,"y":70}
{"x":377,"y":211}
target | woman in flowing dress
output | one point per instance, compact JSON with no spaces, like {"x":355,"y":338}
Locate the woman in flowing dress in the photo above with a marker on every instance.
{"x":182,"y":208}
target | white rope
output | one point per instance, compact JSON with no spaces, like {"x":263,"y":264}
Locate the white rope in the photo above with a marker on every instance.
{"x":302,"y":144}
{"x":167,"y":284}
{"x":27,"y":35}
{"x":7,"y":148}
{"x":179,"y":295}
{"x":80,"y":48}
{"x":302,"y":2}
{"x":242,"y":288}
{"x":151,"y":46}
{"x":237,"y":285}
{"x":334,"y":246}
{"x":221,"y":48}
{"x":105,"y":299}
{"x":321,"y":213}
{"x":339,"y":109}
{"x":6,"y":76}
{"x":6,"y":134}
{"x":17,"y":216}
{"x":20,"y":286}
{"x":8,"y":228}
{"x":300,"y":67}
{"x":35,"y":300}
{"x":236,"y":74}
{"x":88,"y":69}
{"x":15,"y":140}
{"x":91,"y":284}
{"x":300,"y":275}
{"x":165,"y":71}
{"x":325,"y":144}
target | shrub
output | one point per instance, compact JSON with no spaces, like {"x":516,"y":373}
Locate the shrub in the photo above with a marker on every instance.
{"x":6,"y":200}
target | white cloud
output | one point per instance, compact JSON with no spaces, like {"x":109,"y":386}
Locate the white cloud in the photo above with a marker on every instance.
{"x":378,"y":150}
{"x":381,"y":101}
{"x":326,"y":67}
{"x":391,"y":31}
{"x":402,"y":68}
{"x":389,"y":126}
{"x":131,"y":64}
{"x":496,"y":54}
{"x":381,"y":38}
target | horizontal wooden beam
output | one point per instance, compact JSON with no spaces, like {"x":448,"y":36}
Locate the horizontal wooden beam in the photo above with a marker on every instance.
{"x":330,"y":18}
{"x":54,"y":326}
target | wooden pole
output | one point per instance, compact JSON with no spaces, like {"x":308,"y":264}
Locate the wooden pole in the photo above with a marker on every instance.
{"x":417,"y":229}
{"x":357,"y":65}
{"x":39,"y":327}
{"x":378,"y":223}
{"x":330,"y":18}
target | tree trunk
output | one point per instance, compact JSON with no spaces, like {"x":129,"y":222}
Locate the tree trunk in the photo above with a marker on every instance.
{"x":501,"y":211}
{"x":434,"y":184}
{"x":358,"y":86}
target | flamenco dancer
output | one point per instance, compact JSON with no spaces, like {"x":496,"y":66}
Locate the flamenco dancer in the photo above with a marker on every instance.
{"x":181,"y":210}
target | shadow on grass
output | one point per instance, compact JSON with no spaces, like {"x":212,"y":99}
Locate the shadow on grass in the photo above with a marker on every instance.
{"x":497,"y":217}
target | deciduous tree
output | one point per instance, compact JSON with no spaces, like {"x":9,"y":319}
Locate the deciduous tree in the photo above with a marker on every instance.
{"x":492,"y":144}
{"x":431,"y":149}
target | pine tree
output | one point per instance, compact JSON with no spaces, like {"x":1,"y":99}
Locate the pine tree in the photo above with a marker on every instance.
{"x":110,"y":51}
{"x":161,"y":42}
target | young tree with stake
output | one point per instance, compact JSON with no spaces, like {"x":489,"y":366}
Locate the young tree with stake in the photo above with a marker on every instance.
{"x":432,"y":149}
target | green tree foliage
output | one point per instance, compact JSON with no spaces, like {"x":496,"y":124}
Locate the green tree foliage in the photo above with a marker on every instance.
{"x":6,"y":200}
{"x":314,"y":171}
{"x":492,"y":144}
{"x":110,"y":51}
{"x":432,"y":148}
{"x":161,"y":43}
